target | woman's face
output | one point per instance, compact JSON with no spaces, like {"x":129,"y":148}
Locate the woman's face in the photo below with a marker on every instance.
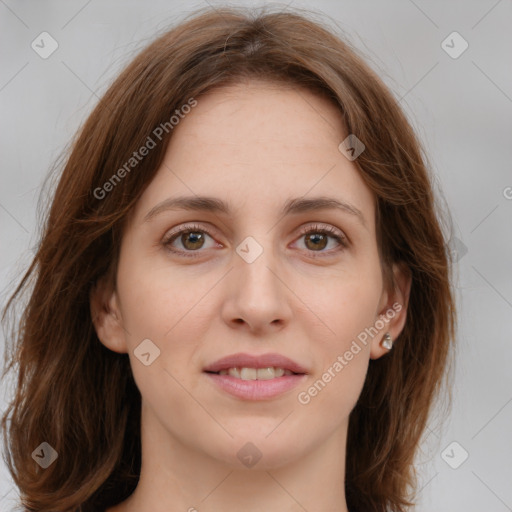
{"x":249,"y":280}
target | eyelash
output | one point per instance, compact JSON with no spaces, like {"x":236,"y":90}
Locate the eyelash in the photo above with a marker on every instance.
{"x":193,"y":228}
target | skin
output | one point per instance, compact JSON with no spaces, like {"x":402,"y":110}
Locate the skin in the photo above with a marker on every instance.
{"x":254,"y":146}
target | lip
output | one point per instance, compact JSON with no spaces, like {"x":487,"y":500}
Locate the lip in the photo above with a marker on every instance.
{"x":256,"y":389}
{"x":243,"y":360}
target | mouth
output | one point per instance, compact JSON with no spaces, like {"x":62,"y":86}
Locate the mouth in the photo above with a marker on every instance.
{"x":257,"y":377}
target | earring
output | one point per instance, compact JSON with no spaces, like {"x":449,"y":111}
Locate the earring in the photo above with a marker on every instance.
{"x":387,"y":342}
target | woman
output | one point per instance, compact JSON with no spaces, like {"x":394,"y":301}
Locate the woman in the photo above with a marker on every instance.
{"x":241,"y":299}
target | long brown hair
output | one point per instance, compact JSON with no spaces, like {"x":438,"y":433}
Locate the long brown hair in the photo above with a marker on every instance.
{"x":81,"y":398}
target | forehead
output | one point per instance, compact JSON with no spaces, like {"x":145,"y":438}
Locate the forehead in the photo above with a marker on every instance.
{"x":256,"y":145}
{"x":255,"y":112}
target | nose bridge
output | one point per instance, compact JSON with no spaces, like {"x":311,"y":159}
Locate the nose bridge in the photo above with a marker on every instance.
{"x":257,"y":265}
{"x":259,"y":295}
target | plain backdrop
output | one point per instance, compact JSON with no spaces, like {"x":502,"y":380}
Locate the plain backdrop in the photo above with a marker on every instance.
{"x":461,"y":107}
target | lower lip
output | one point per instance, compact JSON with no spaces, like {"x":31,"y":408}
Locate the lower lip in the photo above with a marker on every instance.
{"x":256,"y":389}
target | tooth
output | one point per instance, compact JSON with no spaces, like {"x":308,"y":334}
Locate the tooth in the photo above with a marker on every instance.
{"x":265,"y":373}
{"x":248,"y":373}
{"x":234,"y":372}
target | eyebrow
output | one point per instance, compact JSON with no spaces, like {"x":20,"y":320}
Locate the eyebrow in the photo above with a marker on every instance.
{"x":292,"y":206}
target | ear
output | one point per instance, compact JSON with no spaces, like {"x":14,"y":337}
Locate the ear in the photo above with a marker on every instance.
{"x":392,"y":309}
{"x":106,"y":316}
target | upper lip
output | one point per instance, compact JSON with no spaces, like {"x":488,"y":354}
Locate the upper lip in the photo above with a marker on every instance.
{"x":255,"y":361}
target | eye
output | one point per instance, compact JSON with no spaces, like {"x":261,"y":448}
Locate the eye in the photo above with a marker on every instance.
{"x":191,"y":237}
{"x":317,"y":238}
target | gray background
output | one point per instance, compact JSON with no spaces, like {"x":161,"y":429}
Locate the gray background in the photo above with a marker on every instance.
{"x":461,"y":109}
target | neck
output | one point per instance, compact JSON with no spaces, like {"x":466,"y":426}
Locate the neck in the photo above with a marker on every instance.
{"x":175,"y":477}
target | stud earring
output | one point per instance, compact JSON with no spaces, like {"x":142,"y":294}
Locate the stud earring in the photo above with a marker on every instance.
{"x":387,"y":342}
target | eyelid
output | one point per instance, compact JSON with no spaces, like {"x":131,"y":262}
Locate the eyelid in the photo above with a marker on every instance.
{"x":192,"y":226}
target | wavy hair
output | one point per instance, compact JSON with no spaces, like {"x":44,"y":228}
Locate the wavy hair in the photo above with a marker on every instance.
{"x":78,"y":396}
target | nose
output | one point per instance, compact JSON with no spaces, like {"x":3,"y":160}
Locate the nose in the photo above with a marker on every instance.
{"x":258,"y":298}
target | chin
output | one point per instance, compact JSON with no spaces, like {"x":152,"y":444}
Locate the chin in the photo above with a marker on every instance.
{"x":256,"y":451}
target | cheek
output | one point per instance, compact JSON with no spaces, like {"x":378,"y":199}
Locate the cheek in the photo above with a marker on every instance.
{"x":347,"y":306}
{"x":347,"y":303}
{"x":343,"y":356}
{"x":159,"y":305}
{"x":158,"y":300}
